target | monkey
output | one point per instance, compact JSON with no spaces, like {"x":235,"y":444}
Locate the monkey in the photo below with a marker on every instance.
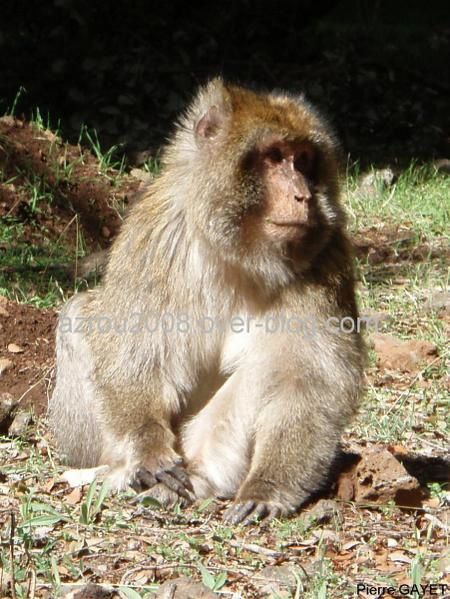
{"x":188,"y":370}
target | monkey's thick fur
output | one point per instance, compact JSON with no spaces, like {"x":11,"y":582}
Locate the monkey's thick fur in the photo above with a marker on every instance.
{"x":176,"y":371}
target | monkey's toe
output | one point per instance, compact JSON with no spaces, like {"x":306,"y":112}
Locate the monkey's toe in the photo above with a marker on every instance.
{"x":177,"y":480}
{"x":250,"y":512}
{"x":142,"y":479}
{"x":171,"y":485}
{"x":166,"y":497}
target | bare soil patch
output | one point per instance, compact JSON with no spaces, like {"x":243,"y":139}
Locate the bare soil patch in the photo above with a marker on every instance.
{"x":27,"y":337}
{"x":73,"y":178}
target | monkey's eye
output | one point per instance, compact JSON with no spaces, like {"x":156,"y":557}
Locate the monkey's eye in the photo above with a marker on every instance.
{"x":304,"y":160}
{"x":274,"y":155}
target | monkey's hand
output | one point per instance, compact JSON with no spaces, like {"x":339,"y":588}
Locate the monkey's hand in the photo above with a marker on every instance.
{"x":169,"y":483}
{"x":259,"y":501}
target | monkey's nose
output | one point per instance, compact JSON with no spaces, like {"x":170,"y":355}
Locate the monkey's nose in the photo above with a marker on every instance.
{"x":302,"y":198}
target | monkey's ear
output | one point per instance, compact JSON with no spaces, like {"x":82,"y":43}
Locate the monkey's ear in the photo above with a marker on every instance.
{"x":210,"y":124}
{"x":214,"y":108}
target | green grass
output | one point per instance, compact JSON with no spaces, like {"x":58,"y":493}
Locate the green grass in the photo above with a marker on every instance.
{"x":418,"y":203}
{"x":32,"y":273}
{"x":109,"y":164}
{"x":36,"y":267}
{"x":419,"y":199}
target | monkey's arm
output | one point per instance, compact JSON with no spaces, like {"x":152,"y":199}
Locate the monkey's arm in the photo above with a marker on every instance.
{"x":141,"y":451}
{"x":297,"y":431}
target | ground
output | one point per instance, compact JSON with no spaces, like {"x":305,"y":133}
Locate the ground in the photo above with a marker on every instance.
{"x":384,"y":520}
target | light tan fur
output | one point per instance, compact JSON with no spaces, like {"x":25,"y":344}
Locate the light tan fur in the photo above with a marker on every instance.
{"x":254,"y":415}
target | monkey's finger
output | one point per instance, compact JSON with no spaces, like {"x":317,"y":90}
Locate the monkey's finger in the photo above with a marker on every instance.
{"x":275,"y":511}
{"x":259,"y":512}
{"x":174,"y":484}
{"x":163,"y":495}
{"x":238,"y":511}
{"x":143,"y":479}
{"x":181,"y":475}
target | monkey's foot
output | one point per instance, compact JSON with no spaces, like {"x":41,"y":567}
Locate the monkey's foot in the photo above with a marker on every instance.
{"x":250,"y":512}
{"x":168,"y":486}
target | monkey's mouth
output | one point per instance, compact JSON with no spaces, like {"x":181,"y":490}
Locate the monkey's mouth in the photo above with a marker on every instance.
{"x":287,"y":223}
{"x":286,"y":230}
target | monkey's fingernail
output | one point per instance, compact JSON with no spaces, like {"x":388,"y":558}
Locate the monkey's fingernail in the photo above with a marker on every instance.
{"x":144,"y":478}
{"x":182,"y":476}
{"x":238,"y":512}
{"x":258,"y":513}
{"x":173,"y":484}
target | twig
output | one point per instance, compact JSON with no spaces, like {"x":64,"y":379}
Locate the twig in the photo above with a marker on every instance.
{"x":35,"y":384}
{"x":12,"y":531}
{"x":31,"y":590}
{"x":253,"y":548}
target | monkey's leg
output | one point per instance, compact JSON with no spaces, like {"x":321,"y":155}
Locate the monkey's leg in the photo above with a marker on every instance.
{"x":297,"y":432}
{"x":217,"y":441}
{"x":279,"y":420}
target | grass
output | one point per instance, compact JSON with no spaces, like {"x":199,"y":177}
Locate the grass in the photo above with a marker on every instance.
{"x":417,"y":203}
{"x":109,"y":165}
{"x":36,"y":263}
{"x":32,"y":273}
{"x":418,"y":200}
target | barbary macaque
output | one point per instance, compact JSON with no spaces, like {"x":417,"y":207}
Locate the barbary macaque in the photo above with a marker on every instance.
{"x":212,"y":360}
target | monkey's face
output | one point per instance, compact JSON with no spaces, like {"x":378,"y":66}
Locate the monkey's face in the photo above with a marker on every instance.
{"x":264,"y":171}
{"x":287,"y":210}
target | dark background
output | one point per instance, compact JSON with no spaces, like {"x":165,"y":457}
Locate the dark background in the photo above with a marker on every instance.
{"x":378,"y":70}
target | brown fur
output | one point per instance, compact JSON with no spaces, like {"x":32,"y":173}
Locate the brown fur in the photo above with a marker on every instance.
{"x":254,"y":415}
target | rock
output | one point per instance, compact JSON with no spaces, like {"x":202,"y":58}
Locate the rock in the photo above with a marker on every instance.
{"x":5,"y":364}
{"x":15,"y":349}
{"x":439,"y":301}
{"x":141,"y":175}
{"x":20,"y":423}
{"x":84,"y":476}
{"x":321,"y":512}
{"x":396,"y":354}
{"x":372,"y":183}
{"x":379,"y":477}
{"x":184,"y":588}
{"x":106,"y":232}
{"x":7,"y":406}
{"x":279,"y":581}
{"x":89,"y":591}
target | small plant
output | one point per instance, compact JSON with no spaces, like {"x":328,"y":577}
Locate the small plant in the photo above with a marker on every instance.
{"x":90,"y":508}
{"x":107,"y":160}
{"x":12,"y":110}
{"x":215,"y":583}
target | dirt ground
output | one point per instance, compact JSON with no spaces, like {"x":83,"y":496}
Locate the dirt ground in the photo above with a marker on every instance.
{"x":70,"y":174}
{"x":28,"y":345}
{"x":36,"y":163}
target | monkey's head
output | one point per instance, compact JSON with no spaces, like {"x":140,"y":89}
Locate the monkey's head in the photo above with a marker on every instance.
{"x":263,"y":178}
